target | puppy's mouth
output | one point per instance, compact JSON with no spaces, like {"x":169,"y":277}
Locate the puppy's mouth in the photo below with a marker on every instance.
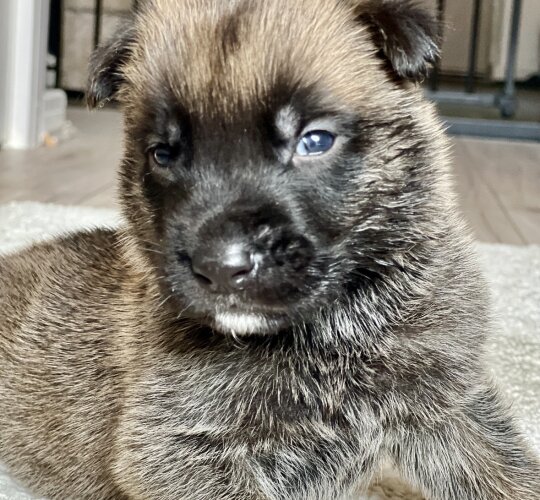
{"x":248,"y":323}
{"x":234,"y":315}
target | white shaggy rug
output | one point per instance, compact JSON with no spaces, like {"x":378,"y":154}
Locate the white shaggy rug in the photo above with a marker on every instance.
{"x":513,"y":272}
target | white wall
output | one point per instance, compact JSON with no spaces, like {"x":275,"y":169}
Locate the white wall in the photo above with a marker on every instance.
{"x":23,"y":74}
{"x":5,"y":17}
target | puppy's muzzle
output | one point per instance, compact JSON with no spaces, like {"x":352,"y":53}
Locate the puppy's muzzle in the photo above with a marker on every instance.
{"x":260,"y":262}
{"x":233,"y":266}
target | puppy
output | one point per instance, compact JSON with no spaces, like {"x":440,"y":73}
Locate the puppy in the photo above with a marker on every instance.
{"x":293,"y":299}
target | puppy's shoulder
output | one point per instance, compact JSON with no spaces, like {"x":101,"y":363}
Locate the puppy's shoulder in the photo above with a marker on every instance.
{"x":83,"y":254}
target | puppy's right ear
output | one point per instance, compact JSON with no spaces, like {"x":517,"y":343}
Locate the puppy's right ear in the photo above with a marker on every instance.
{"x":405,"y":33}
{"x":106,"y":64}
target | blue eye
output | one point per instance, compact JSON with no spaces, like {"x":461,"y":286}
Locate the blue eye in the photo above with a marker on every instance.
{"x":163,"y":156}
{"x":315,"y":143}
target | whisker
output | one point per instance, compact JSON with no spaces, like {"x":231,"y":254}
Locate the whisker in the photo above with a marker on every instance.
{"x":184,"y":310}
{"x":163,"y":302}
{"x":151,"y":243}
{"x":154,"y":251}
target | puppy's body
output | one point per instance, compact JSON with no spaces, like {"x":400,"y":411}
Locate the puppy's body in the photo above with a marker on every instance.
{"x":57,"y":373}
{"x":123,"y":373}
{"x":91,"y":408}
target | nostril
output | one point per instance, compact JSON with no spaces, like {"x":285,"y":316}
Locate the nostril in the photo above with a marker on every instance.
{"x":240,"y":274}
{"x":203,"y":280}
{"x":202,"y":269}
{"x":196,"y":268}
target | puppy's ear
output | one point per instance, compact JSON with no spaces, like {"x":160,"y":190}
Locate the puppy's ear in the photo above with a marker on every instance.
{"x":406,"y":34}
{"x":105,"y":69}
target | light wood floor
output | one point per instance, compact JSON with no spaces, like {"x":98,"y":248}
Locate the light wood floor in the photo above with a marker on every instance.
{"x":498,"y":182}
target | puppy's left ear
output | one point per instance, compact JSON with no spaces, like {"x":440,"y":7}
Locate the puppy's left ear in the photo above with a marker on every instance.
{"x":406,"y":34}
{"x":106,"y":65}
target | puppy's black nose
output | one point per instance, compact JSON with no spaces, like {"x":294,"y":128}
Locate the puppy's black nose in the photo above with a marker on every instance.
{"x":225,"y":268}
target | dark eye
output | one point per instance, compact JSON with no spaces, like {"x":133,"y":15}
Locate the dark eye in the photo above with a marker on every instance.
{"x":163,"y":155}
{"x":315,"y":143}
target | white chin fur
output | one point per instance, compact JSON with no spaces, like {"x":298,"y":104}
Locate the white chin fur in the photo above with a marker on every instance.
{"x":242,"y":324}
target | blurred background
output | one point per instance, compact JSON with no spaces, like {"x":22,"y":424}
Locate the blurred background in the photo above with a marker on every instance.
{"x":487,"y":86}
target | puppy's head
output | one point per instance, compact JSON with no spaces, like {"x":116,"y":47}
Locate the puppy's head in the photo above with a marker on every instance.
{"x":278,"y":157}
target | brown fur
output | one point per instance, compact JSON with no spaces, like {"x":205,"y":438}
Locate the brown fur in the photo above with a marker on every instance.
{"x":107,"y":391}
